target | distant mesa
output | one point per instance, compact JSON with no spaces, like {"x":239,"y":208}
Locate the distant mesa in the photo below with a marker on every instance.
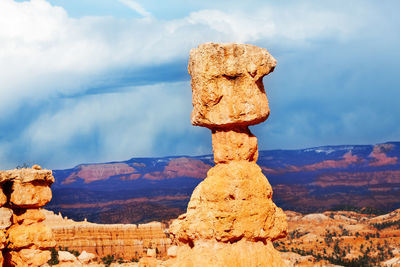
{"x":181,"y":167}
{"x":96,"y":172}
{"x":379,"y":155}
{"x":347,"y":159}
{"x":304,"y":180}
{"x":178,"y":167}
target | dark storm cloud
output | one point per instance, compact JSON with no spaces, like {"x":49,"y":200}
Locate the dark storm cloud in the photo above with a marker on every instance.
{"x":87,"y":89}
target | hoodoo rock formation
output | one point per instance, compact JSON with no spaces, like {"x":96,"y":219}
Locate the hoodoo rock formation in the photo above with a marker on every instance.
{"x":231,"y":219}
{"x":24,"y":239}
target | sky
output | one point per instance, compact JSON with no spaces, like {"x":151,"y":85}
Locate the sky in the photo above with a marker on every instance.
{"x":84,"y":81}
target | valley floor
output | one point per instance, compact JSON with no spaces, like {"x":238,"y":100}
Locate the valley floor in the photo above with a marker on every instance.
{"x":343,"y":238}
{"x":332,"y":238}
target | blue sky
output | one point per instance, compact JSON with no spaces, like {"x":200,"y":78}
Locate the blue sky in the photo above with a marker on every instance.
{"x":106,"y":80}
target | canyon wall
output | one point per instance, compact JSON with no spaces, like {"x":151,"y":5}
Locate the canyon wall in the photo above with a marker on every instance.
{"x":128,"y":241}
{"x":24,"y":239}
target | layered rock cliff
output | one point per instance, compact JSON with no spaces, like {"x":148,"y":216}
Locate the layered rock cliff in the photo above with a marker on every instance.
{"x":128,"y":241}
{"x":231,"y":219}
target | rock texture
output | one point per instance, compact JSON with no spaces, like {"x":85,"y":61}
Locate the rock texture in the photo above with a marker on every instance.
{"x":233,"y":203}
{"x":67,"y":259}
{"x":227,"y":84}
{"x":231,"y":219}
{"x":24,"y":239}
{"x":234,"y":144}
{"x":86,"y":257}
{"x":3,"y":243}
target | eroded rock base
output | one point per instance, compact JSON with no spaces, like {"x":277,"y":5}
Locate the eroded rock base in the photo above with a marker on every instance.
{"x":234,"y":202}
{"x":240,"y":254}
{"x":231,"y":220}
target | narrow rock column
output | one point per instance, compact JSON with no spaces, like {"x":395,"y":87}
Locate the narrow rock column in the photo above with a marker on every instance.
{"x":231,"y":219}
{"x":27,"y":239}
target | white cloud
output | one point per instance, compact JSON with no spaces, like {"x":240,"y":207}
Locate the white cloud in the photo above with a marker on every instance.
{"x":297,"y":23}
{"x":135,"y":6}
{"x":45,"y":54}
{"x":122,"y":125}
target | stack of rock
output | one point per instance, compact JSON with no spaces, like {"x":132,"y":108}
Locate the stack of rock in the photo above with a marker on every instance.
{"x":24,"y":239}
{"x":231,"y":219}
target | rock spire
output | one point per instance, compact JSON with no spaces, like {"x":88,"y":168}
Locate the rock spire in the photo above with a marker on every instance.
{"x":24,"y":239}
{"x":231,"y":219}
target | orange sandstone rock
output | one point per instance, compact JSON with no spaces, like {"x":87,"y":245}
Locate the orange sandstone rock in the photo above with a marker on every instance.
{"x":234,"y":144}
{"x":27,"y":238}
{"x":232,"y":203}
{"x":3,"y":197}
{"x":28,"y":217}
{"x":227,"y":84}
{"x":231,"y":219}
{"x":24,"y":236}
{"x":3,"y":243}
{"x":27,"y":257}
{"x":66,"y":257}
{"x":5,"y":218}
{"x":30,"y":195}
{"x":238,"y":254}
{"x":36,"y":167}
{"x":2,"y":239}
{"x":27,"y":175}
{"x":30,"y":187}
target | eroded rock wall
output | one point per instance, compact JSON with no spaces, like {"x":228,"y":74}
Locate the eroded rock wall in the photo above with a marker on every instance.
{"x":24,"y":239}
{"x":128,"y":241}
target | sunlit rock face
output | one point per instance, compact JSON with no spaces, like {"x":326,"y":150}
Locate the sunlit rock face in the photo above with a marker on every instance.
{"x":227,"y":84}
{"x":24,"y":239}
{"x":231,"y":219}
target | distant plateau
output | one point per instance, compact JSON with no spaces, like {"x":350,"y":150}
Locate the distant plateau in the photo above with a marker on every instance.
{"x":140,"y":190}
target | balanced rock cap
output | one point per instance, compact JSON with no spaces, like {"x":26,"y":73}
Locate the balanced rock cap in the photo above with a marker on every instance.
{"x":227,"y":86}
